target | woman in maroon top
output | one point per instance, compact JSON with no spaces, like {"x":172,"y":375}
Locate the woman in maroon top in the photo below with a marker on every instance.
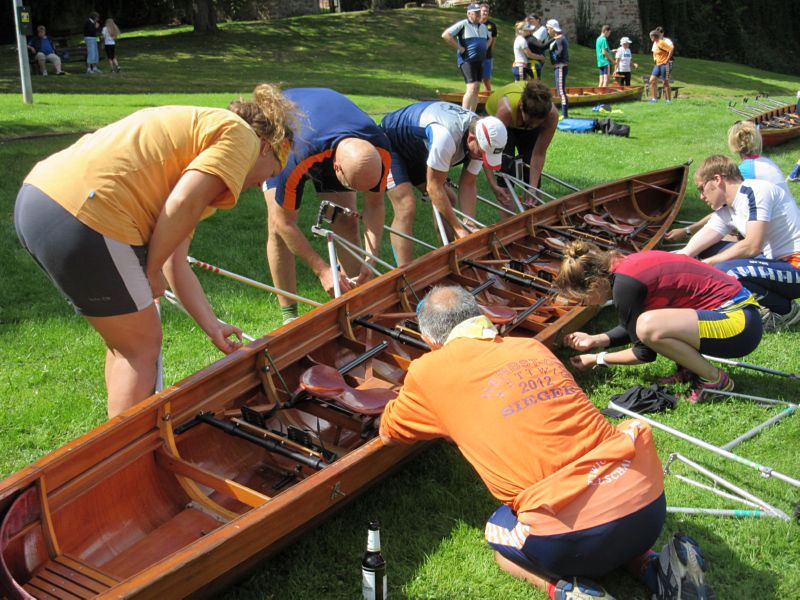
{"x":667,"y":304}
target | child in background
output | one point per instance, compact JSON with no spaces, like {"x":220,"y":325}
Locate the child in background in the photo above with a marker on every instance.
{"x":622,"y":65}
{"x":559,"y":56}
{"x":110,"y":34}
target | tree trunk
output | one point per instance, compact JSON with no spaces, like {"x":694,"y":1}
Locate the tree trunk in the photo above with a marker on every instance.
{"x":204,"y":16}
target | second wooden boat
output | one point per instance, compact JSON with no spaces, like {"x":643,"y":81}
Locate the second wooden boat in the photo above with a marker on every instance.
{"x":188,"y":490}
{"x":778,"y":125}
{"x":576,"y":96}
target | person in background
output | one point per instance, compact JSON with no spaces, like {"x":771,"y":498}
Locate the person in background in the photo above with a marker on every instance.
{"x":667,"y":304}
{"x":671,"y":44}
{"x":767,"y":257}
{"x":521,"y":68}
{"x":578,"y":496}
{"x":427,"y":139}
{"x":527,"y":111}
{"x":342,"y":151}
{"x":488,"y":62}
{"x":795,"y":174}
{"x":470,"y":38}
{"x":623,"y":61}
{"x":110,"y":218}
{"x":91,"y":29}
{"x":604,"y":57}
{"x":662,"y":53}
{"x":559,"y":56}
{"x":44,"y":51}
{"x":537,"y":41}
{"x":110,"y":35}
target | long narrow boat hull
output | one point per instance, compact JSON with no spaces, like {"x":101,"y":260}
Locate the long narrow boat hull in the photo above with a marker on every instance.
{"x":778,"y":125}
{"x":158,"y":503}
{"x":576,"y":96}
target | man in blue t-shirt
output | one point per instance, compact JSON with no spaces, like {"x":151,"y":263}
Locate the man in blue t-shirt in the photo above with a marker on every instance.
{"x":44,"y":51}
{"x":470,"y":38}
{"x":342,"y":151}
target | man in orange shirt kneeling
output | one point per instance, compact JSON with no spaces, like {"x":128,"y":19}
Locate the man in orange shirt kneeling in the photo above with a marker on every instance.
{"x":579,"y":496}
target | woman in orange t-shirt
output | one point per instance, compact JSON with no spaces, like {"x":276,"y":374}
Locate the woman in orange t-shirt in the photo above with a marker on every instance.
{"x":110,"y":218}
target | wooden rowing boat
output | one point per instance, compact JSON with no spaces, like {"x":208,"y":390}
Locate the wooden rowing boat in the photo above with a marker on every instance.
{"x":186,"y":491}
{"x":576,"y":96}
{"x":778,"y":125}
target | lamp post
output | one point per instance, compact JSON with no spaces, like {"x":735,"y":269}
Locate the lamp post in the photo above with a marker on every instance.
{"x":22,"y":18}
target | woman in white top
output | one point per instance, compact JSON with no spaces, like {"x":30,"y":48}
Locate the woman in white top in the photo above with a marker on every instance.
{"x":110,"y":34}
{"x":521,"y":69}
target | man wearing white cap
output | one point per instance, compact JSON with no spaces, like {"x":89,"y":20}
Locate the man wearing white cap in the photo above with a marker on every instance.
{"x":470,"y":38}
{"x":622,"y":64}
{"x":559,"y":56}
{"x":427,"y":139}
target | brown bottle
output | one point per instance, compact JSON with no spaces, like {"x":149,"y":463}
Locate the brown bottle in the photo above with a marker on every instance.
{"x":373,"y":567}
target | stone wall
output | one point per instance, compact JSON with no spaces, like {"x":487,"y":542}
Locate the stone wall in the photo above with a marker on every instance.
{"x":622,"y":15}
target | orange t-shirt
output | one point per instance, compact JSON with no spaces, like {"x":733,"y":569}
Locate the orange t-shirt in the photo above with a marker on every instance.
{"x":117,"y":179}
{"x":521,"y":420}
{"x":661,"y":51}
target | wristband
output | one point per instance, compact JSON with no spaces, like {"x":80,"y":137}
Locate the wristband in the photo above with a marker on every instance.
{"x":600,"y":359}
{"x":688,"y":231}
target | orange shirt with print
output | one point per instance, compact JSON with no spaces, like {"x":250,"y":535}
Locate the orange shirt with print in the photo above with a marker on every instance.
{"x":117,"y":179}
{"x":534,"y":438}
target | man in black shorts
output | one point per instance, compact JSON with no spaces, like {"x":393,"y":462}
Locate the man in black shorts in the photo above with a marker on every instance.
{"x":470,"y":38}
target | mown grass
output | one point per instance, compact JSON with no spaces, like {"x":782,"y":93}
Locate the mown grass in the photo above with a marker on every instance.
{"x":432,"y":512}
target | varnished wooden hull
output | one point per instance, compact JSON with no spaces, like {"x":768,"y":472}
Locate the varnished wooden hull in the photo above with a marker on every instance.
{"x":576,"y":96}
{"x":778,"y":125}
{"x":145,"y":507}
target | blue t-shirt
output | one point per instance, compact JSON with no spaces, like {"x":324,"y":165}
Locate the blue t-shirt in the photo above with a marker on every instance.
{"x":474,"y":37}
{"x":327,"y":118}
{"x":559,"y":51}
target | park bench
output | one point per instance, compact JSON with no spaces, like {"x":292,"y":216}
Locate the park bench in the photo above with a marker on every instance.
{"x":675,"y":89}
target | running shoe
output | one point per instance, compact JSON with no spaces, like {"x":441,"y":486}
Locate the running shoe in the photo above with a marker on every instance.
{"x":681,"y":375}
{"x":579,"y":588}
{"x":723,"y":383}
{"x":774,"y":322}
{"x":680,"y":571}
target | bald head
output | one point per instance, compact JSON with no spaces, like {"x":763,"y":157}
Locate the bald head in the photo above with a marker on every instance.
{"x":357,"y":164}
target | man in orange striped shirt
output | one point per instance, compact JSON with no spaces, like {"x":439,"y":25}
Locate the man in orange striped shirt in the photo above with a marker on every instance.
{"x":579,"y":496}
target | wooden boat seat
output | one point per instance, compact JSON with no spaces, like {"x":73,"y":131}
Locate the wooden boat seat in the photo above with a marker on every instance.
{"x":499,"y":314}
{"x":326,"y":382}
{"x":598,"y":221}
{"x":67,"y":578}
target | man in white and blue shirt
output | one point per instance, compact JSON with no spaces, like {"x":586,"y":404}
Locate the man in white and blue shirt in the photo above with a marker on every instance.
{"x":470,"y":38}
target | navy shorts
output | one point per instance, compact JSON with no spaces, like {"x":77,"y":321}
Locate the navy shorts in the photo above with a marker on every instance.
{"x":487,"y":68}
{"x":591,"y":552}
{"x":99,"y":276}
{"x":409,"y":163}
{"x":603,"y":70}
{"x":472,"y":71}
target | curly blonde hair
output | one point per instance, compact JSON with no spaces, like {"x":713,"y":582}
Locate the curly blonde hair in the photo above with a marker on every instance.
{"x":584,"y":266}
{"x":271,"y":115}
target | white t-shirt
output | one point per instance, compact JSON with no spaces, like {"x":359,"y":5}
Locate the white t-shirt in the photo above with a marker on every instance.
{"x":520,"y":44}
{"x":759,"y":200}
{"x":624,"y":56}
{"x":107,"y":39}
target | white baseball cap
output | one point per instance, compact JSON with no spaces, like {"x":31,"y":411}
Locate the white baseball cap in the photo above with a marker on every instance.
{"x":554,"y":24}
{"x":625,"y":40}
{"x":492,"y":136}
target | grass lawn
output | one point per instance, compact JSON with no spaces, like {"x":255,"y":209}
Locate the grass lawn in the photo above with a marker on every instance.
{"x":432,"y":513}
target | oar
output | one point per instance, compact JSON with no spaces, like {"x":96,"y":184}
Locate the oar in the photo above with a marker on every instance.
{"x":745,"y":365}
{"x":173,"y":299}
{"x":242,"y":279}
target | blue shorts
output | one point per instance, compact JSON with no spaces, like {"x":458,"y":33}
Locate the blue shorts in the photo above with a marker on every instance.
{"x":603,"y":70}
{"x":660,"y":71}
{"x":487,"y":68}
{"x":409,"y":164}
{"x":590,"y":552}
